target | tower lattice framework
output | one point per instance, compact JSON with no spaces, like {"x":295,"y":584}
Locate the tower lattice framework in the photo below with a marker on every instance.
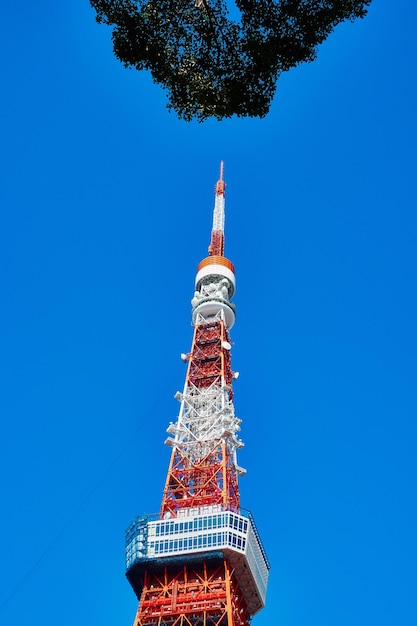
{"x":200,"y":561}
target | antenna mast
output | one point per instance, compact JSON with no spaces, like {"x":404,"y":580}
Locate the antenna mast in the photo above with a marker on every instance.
{"x":216,"y":247}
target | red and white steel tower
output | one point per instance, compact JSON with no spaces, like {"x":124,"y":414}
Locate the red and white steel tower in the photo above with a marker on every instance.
{"x":200,"y":561}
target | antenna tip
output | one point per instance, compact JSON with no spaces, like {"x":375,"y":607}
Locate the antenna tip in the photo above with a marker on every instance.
{"x":220,"y":184}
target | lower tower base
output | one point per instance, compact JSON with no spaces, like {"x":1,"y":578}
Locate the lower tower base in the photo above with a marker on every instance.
{"x":199,"y":595}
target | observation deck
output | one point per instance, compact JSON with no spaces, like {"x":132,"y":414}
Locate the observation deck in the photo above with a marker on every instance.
{"x":195,"y":535}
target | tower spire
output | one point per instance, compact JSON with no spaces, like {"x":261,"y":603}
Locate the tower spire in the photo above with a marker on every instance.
{"x":216,"y":247}
{"x":200,"y":561}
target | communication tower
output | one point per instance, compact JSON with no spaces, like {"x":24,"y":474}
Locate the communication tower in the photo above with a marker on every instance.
{"x":200,"y":561}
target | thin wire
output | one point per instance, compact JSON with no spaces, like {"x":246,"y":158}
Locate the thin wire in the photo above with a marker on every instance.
{"x":77,"y":511}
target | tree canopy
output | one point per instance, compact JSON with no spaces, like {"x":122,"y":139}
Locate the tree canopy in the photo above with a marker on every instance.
{"x":215,"y":66}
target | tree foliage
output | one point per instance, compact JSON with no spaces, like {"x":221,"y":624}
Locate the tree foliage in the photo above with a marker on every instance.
{"x":215,"y":66}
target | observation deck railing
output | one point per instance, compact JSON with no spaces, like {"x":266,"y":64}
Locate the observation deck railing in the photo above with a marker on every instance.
{"x":201,"y":532}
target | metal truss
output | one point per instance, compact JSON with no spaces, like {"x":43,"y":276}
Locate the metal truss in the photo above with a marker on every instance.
{"x":201,"y":595}
{"x":206,"y":414}
{"x":213,"y":480}
{"x":203,"y":468}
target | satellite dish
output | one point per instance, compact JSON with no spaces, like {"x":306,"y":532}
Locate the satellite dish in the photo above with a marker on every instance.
{"x":226,"y":345}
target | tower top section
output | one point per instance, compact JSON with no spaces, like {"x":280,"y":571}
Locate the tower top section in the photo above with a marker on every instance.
{"x":215,"y":281}
{"x":216,"y":247}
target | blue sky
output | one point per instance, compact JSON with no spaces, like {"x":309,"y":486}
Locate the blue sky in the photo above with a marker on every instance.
{"x":106,"y":204}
